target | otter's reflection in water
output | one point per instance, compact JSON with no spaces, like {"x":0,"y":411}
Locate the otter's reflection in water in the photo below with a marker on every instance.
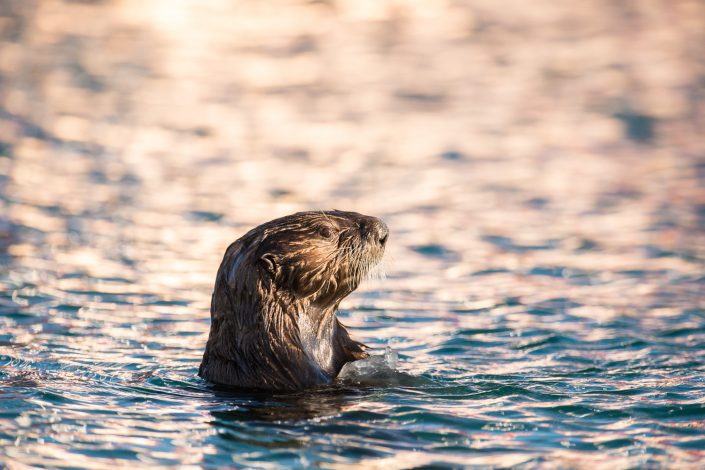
{"x":288,"y":407}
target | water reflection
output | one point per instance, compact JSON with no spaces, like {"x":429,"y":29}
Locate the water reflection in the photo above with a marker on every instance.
{"x":244,"y":408}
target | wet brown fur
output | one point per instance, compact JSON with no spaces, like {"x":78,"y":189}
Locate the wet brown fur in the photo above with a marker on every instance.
{"x":273,"y":322}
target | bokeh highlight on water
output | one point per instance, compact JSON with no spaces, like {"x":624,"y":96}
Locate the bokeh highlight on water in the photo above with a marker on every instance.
{"x":541,"y":166}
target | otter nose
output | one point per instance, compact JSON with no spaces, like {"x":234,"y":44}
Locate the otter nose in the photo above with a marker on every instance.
{"x":375,"y":229}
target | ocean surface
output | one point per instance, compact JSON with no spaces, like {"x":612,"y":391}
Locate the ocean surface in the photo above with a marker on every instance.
{"x":540,"y":165}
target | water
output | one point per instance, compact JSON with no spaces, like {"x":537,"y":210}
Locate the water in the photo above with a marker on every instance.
{"x":540,"y":168}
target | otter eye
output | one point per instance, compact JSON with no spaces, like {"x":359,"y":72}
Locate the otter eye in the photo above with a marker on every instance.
{"x":326,"y":232}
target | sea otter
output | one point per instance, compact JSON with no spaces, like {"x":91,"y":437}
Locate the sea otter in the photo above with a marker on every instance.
{"x":277,"y":291}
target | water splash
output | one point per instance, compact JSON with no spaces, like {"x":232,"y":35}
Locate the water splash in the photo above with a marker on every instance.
{"x":379,"y":371}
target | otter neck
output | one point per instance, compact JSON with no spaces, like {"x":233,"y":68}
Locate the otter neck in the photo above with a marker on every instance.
{"x":317,"y":331}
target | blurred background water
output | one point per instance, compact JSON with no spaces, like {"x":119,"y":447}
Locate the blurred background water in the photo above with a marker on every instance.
{"x":541,"y":166}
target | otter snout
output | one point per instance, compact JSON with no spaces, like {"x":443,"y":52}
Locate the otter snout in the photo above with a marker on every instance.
{"x":373,"y":229}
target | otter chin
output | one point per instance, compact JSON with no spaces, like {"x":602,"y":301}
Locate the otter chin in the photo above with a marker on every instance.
{"x":277,"y":291}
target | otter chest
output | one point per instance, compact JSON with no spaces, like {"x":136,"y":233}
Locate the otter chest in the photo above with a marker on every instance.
{"x":317,"y":341}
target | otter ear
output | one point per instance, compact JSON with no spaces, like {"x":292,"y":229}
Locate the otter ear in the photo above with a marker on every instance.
{"x":270,"y":265}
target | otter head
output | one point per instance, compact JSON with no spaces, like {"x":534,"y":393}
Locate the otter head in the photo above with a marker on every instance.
{"x":321,"y":256}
